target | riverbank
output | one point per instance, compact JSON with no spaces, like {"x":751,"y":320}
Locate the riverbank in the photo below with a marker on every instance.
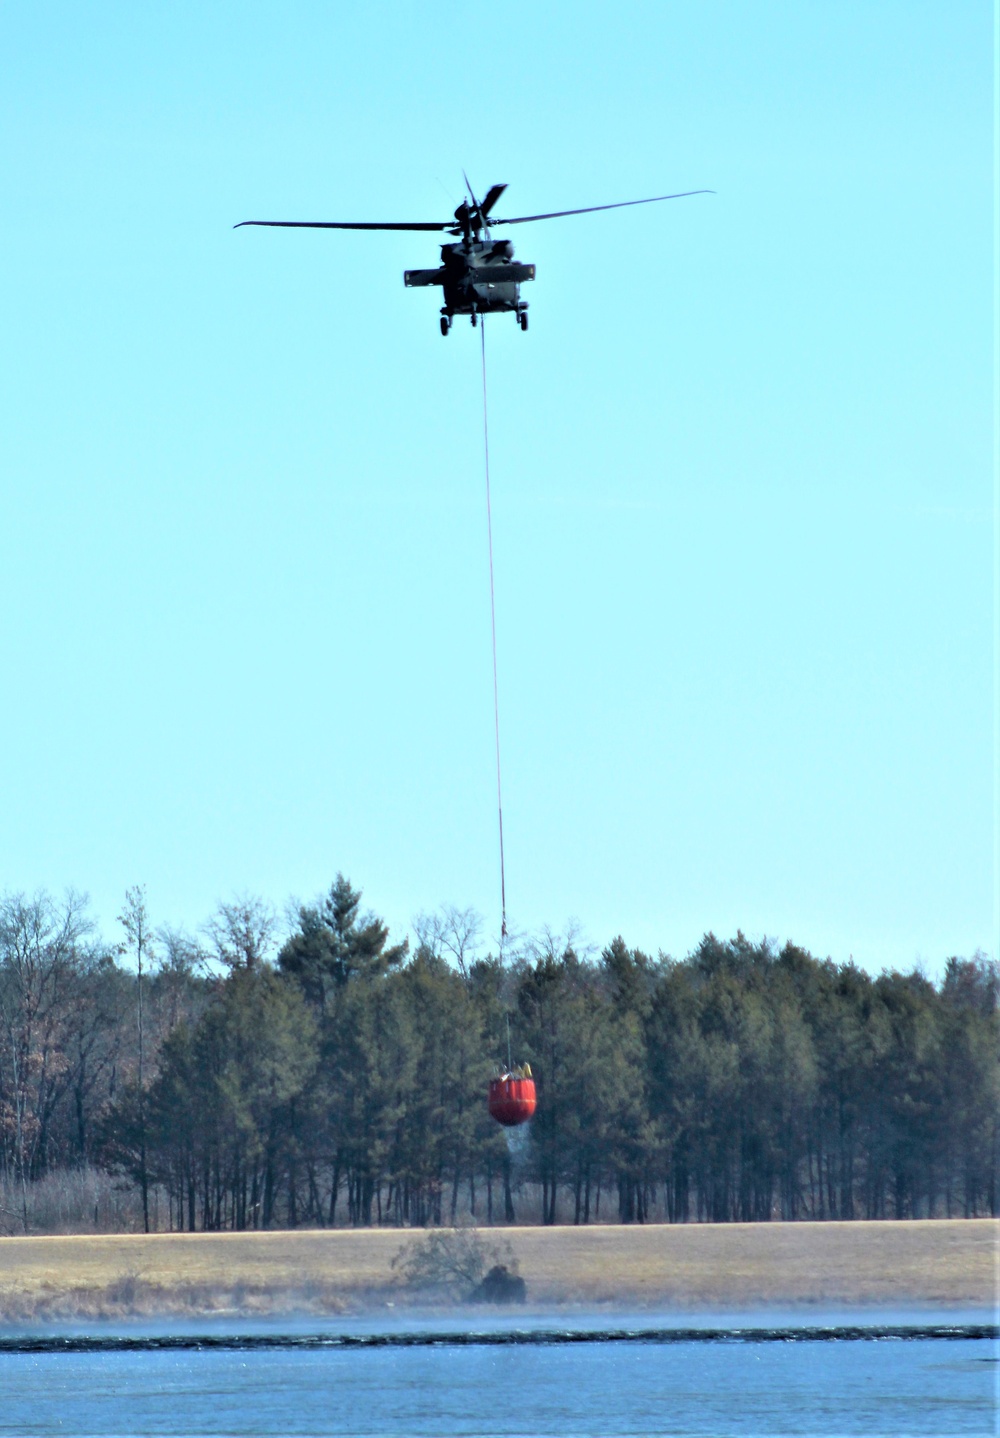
{"x":939,"y":1264}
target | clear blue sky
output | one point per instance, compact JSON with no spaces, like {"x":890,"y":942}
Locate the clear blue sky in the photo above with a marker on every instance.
{"x":741,"y":466}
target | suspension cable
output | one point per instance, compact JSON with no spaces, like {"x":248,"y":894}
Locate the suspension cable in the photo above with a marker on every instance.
{"x":493,"y":628}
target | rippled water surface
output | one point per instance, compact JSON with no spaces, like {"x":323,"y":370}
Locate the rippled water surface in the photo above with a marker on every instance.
{"x":827,"y":1387}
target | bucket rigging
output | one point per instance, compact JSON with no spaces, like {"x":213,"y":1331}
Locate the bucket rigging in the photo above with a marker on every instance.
{"x":512,"y":1098}
{"x":493,"y":632}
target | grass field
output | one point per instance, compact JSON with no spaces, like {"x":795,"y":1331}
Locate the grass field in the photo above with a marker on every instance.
{"x":942,"y":1263}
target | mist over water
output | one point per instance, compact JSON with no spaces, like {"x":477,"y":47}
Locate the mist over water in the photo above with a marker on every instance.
{"x":890,"y":1387}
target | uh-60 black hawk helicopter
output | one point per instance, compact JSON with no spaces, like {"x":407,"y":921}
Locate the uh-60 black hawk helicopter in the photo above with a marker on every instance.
{"x":478,"y":273}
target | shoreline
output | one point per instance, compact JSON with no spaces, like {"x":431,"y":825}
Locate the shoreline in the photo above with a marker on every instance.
{"x":919,"y":1264}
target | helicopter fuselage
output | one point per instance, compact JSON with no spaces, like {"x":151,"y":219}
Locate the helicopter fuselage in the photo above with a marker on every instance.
{"x":478,"y":277}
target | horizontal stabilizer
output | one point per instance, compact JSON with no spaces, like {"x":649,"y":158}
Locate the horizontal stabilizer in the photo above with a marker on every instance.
{"x":501,"y":274}
{"x":423,"y":277}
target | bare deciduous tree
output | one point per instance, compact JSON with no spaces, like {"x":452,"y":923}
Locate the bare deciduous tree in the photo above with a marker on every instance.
{"x":242,"y":932}
{"x":135,"y":921}
{"x":38,"y":958}
{"x":451,"y":931}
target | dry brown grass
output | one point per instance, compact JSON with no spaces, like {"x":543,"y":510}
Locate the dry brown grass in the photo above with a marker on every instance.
{"x":940,"y":1263}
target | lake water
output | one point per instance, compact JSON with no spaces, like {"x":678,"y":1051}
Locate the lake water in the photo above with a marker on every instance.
{"x":665,"y":1384}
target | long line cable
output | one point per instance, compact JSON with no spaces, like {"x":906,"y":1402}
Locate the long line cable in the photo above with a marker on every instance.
{"x":493,"y":630}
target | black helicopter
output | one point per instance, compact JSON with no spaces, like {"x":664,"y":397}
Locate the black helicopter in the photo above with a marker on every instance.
{"x":478,"y":274}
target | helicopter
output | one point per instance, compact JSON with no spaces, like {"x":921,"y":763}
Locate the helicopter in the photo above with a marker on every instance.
{"x":478,"y":273}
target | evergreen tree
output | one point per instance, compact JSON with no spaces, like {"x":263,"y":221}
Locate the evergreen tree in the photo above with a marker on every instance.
{"x":334,"y":943}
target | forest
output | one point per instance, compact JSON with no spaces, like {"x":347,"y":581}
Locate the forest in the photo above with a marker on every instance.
{"x":316,"y":1074}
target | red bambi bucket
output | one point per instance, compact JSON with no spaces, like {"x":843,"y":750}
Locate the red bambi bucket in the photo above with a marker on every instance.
{"x":512,"y":1100}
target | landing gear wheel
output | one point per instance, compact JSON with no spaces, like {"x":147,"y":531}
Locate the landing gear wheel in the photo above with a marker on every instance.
{"x":522,"y":320}
{"x":472,"y":317}
{"x":445,"y":324}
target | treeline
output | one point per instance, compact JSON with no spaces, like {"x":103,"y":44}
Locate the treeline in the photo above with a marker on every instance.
{"x":335,"y":1078}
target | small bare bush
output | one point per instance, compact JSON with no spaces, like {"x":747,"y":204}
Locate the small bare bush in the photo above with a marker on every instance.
{"x":451,"y":1258}
{"x":124,"y":1290}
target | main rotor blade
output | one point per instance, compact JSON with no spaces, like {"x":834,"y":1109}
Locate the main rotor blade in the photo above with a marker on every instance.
{"x":475,"y":202}
{"x":589,"y":209}
{"x":342,"y":225}
{"x":490,"y":198}
{"x":477,"y":208}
